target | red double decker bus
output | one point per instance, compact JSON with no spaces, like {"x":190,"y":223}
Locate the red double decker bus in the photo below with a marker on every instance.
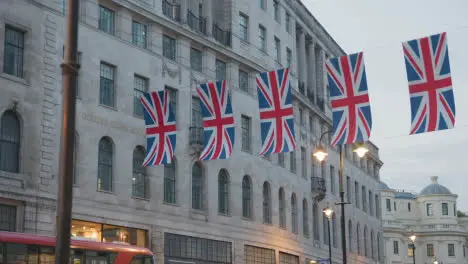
{"x":22,"y":248}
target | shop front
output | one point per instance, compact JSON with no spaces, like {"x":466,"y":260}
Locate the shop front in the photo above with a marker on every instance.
{"x":109,"y":233}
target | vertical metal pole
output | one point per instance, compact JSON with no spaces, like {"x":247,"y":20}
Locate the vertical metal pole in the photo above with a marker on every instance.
{"x":342,"y":203}
{"x":414,"y":254}
{"x":329,"y":243}
{"x":69,"y":75}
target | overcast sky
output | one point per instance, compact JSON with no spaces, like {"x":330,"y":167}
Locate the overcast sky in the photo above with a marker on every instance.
{"x":377,"y":28}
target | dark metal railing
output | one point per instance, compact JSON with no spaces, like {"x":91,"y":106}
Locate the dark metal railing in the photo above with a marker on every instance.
{"x":196,"y":23}
{"x":196,"y":135}
{"x":222,"y":36}
{"x":171,"y":10}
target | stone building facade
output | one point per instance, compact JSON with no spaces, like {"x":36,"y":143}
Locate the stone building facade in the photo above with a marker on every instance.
{"x":431,"y":215}
{"x":247,"y":209}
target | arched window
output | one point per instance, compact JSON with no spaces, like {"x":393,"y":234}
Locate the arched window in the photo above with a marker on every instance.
{"x":139,"y":179}
{"x":358,"y":238}
{"x":294,"y":213}
{"x":315,"y":219}
{"x":198,"y":187}
{"x":334,"y":230}
{"x":247,"y":197}
{"x":282,"y":208}
{"x":372,"y":244}
{"x":365,"y":242}
{"x":325,"y":230}
{"x":105,"y":164}
{"x":350,"y":236}
{"x":170,"y":182}
{"x":266,"y":203}
{"x":223,"y":192}
{"x":305,"y":218}
{"x":10,"y":135}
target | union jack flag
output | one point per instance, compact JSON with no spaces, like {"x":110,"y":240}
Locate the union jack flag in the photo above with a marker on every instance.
{"x":430,"y":84}
{"x":218,"y":120}
{"x":160,"y":128}
{"x":351,"y":111}
{"x":276,"y":112}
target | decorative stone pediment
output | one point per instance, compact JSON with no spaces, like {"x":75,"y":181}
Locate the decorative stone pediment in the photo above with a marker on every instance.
{"x":172,"y":70}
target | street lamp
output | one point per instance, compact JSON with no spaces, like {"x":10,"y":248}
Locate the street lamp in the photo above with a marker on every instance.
{"x":328,"y":213}
{"x":413,"y":246}
{"x":320,"y":154}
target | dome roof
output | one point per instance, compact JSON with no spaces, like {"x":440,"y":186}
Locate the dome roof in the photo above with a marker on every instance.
{"x":404,"y":195}
{"x":435,"y":188}
{"x":384,"y":186}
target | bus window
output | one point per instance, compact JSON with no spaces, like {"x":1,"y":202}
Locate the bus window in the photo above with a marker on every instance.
{"x":76,"y":256}
{"x":141,"y":259}
{"x":47,"y":255}
{"x":100,"y":257}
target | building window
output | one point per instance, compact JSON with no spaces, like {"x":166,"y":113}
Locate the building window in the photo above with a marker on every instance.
{"x":139,"y":33}
{"x":334,"y":231}
{"x":377,"y":206}
{"x":287,"y":23}
{"x":372,"y":244}
{"x":410,"y":250}
{"x":364,"y":198}
{"x":262,"y":37}
{"x":107,"y":85}
{"x":365,"y":242}
{"x":246,"y":134}
{"x":196,"y":59}
{"x":325,"y":229}
{"x":356,"y":194}
{"x":294,"y":214}
{"x":288,"y":58}
{"x":388,"y":205}
{"x":292,"y":161}
{"x":394,"y":206}
{"x":246,"y":197}
{"x":244,"y":81}
{"x":198,"y":186}
{"x":277,"y":50}
{"x":194,"y":250}
{"x":257,"y":255}
{"x":429,"y":211}
{"x":223,"y":192}
{"x":139,"y":180}
{"x":303,"y":162}
{"x":13,"y":52}
{"x":172,"y":94}
{"x":430,"y":250}
{"x":140,"y":86}
{"x":371,"y":203}
{"x":8,"y":218}
{"x":395,"y":248}
{"x":288,"y":258}
{"x":10,"y":134}
{"x":305,"y":218}
{"x":244,"y":27}
{"x":282,"y":208}
{"x":169,"y":47}
{"x":105,"y":163}
{"x":281,"y":159}
{"x":196,"y":129}
{"x":106,"y":20}
{"x":409,"y":207}
{"x":454,"y":209}
{"x":266,"y":203}
{"x":170,"y":182}
{"x":332,"y":179}
{"x":262,"y":4}
{"x":315,"y":221}
{"x":358,"y":238}
{"x":350,"y":236}
{"x":444,"y":208}
{"x":451,"y":250}
{"x":220,"y":70}
{"x":75,"y":159}
{"x":276,"y":10}
{"x":109,"y":233}
{"x":464,"y":251}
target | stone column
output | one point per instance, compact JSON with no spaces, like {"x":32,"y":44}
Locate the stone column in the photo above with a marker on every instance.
{"x":312,"y":77}
{"x":302,"y":70}
{"x":208,"y":14}
{"x":183,"y":11}
{"x":319,"y":62}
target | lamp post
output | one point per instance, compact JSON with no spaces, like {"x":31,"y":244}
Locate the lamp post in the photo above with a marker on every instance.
{"x":328,"y":213}
{"x":320,"y":154}
{"x":413,"y":246}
